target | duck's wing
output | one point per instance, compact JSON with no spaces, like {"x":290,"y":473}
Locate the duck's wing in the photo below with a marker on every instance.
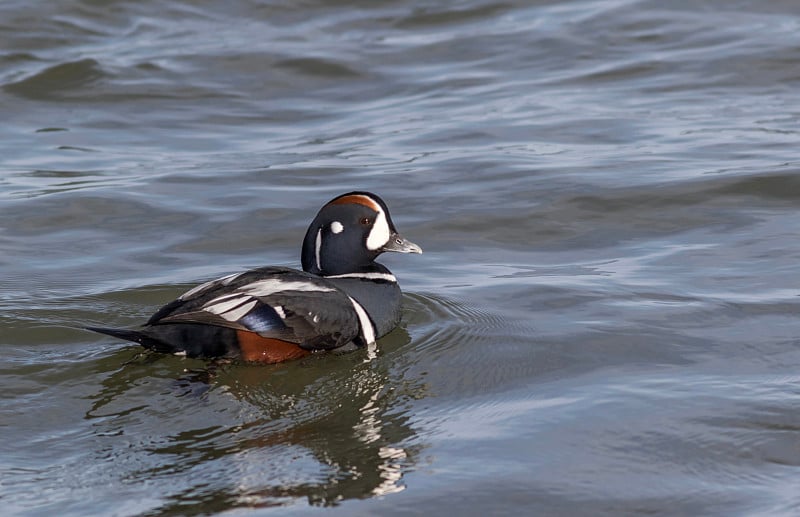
{"x":275,"y":303}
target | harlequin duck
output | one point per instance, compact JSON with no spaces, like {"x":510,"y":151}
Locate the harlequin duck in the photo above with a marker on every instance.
{"x":273,"y":314}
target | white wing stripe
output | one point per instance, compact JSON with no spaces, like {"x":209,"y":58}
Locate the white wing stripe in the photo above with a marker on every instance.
{"x":239,"y":312}
{"x":265,"y":287}
{"x":220,"y":306}
{"x":225,"y":280}
{"x":196,"y":290}
{"x":222,"y":298}
{"x":271,"y":285}
{"x":367,"y":330}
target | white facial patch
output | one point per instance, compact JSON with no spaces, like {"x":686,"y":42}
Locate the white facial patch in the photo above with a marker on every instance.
{"x":336,"y":227}
{"x":380,"y":233}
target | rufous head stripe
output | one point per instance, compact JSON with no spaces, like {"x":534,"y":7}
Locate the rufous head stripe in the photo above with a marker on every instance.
{"x":357,"y":199}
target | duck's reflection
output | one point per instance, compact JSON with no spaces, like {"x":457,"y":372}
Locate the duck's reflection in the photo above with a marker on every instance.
{"x":325,"y":429}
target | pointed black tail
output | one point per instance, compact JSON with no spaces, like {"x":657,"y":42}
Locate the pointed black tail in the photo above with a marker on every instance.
{"x":182,"y":338}
{"x":129,"y":335}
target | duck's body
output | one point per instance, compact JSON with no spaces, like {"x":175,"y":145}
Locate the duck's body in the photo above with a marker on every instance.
{"x":273,"y":314}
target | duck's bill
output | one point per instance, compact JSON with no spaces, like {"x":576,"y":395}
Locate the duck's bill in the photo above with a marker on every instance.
{"x":399,"y":244}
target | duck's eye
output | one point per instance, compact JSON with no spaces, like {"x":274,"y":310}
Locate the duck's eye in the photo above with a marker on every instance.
{"x":365,"y":221}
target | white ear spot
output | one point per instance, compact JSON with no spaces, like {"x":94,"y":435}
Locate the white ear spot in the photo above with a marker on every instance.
{"x":336,"y":227}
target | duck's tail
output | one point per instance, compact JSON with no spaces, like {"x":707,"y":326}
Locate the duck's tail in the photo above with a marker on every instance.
{"x":128,"y":335}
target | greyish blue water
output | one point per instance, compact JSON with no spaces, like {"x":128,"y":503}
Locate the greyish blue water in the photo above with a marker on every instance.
{"x":606,"y":319}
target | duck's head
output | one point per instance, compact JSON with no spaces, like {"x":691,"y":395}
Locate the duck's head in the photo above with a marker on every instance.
{"x":348,"y":233}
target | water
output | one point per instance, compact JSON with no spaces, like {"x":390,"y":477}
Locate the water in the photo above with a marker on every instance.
{"x":605,"y":320}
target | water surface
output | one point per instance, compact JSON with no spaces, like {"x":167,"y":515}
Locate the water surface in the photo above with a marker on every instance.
{"x":605,"y":320}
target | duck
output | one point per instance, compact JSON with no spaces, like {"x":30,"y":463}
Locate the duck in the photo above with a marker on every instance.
{"x":342,"y":299}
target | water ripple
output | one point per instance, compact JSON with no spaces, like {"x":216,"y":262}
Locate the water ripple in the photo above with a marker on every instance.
{"x":604,"y":319}
{"x":56,"y":81}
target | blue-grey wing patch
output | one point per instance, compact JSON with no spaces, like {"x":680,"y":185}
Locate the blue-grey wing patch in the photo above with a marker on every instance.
{"x":262,"y":318}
